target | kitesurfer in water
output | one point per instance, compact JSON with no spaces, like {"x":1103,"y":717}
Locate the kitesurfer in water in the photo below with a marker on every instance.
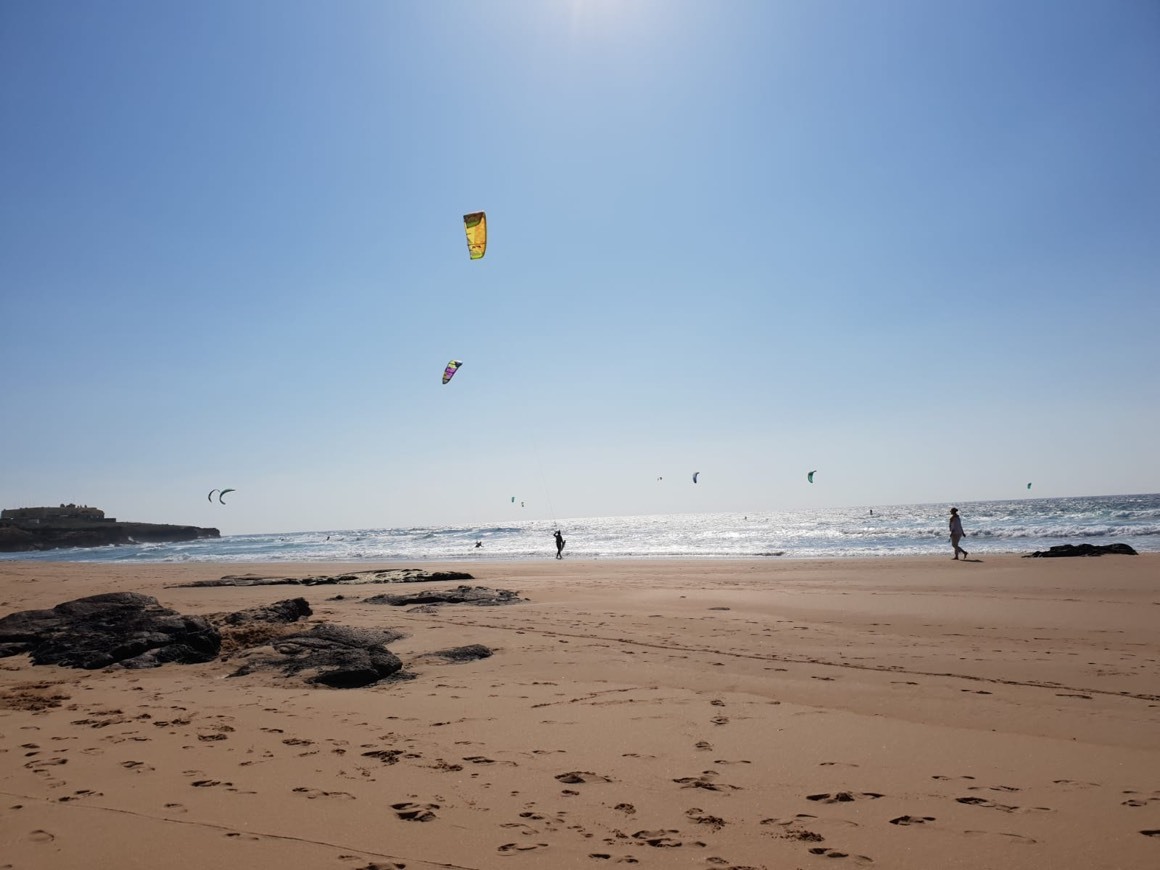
{"x":559,"y":544}
{"x":957,"y":533}
{"x":478,"y":544}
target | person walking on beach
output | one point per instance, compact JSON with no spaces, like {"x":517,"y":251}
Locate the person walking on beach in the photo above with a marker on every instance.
{"x":559,"y":544}
{"x":957,"y":533}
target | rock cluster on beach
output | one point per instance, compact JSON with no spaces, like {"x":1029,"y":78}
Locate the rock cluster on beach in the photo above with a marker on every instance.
{"x":356,"y":578}
{"x":1083,"y":550}
{"x":131,"y":630}
{"x":118,"y":628}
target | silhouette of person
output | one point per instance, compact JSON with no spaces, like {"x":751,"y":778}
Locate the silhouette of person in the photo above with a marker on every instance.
{"x":559,"y":544}
{"x":478,"y":544}
{"x":957,"y":533}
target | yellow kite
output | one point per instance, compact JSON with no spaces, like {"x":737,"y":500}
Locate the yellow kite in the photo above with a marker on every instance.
{"x":475,"y":224}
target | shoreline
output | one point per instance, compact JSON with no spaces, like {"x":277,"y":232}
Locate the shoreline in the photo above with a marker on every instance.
{"x":901,"y":712}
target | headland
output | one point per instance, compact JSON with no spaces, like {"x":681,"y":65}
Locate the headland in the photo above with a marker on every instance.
{"x":50,"y":528}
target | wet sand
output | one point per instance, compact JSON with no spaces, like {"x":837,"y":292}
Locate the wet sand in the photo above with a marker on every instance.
{"x":898,"y":713}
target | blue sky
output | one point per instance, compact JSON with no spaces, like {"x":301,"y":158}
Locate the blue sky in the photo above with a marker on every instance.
{"x":913,"y":245}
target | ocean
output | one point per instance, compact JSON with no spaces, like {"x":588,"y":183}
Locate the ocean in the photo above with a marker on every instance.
{"x":1021,"y":526}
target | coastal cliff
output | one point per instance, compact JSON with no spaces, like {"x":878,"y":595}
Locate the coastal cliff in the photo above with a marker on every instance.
{"x":30,"y":529}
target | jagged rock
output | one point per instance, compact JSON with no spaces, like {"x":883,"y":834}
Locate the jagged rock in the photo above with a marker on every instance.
{"x":1083,"y":550}
{"x":470,"y":653}
{"x":289,"y":610}
{"x":328,"y":655}
{"x":124,"y":628}
{"x":258,"y":626}
{"x":478,"y":595}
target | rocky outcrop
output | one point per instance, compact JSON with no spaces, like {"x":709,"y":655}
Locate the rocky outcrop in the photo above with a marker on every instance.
{"x":358,"y":578}
{"x":459,"y":654}
{"x":1083,"y":550}
{"x":19,"y":536}
{"x":478,"y":595}
{"x":131,"y":630}
{"x":119,"y":628}
{"x":328,"y":655}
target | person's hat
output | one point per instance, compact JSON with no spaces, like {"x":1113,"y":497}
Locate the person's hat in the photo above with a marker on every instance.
{"x":954,"y":510}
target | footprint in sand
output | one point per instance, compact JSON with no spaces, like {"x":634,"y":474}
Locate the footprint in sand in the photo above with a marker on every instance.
{"x":705,"y":781}
{"x":658,"y":839}
{"x":238,"y":835}
{"x":912,"y":820}
{"x":1007,"y":808}
{"x":834,"y":853}
{"x":39,"y":836}
{"x":699,"y":816}
{"x":1151,"y":833}
{"x":313,"y":793}
{"x":1008,"y":837}
{"x":39,"y":765}
{"x":843,"y":797}
{"x":573,"y":777}
{"x":410,"y":812}
{"x":512,"y":848}
{"x":136,"y":766}
{"x":84,"y":792}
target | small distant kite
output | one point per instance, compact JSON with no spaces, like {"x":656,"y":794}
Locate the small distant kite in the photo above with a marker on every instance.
{"x":810,"y":476}
{"x":220,"y":493}
{"x":210,"y":496}
{"x":452,"y":368}
{"x":1029,"y":486}
{"x":696,"y":474}
{"x":475,"y":225}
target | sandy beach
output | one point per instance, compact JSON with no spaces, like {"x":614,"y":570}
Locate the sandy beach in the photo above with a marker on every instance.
{"x":898,"y":713}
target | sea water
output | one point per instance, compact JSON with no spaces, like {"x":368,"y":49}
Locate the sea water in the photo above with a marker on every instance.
{"x":1022,"y":526}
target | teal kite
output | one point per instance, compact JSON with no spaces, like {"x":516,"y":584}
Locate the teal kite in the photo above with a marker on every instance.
{"x":810,"y":476}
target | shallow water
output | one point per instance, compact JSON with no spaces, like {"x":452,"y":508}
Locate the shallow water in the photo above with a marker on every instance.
{"x":1021,"y":526}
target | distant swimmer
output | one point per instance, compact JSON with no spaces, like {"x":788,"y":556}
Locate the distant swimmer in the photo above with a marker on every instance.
{"x":559,"y":544}
{"x":478,"y":544}
{"x":871,"y":511}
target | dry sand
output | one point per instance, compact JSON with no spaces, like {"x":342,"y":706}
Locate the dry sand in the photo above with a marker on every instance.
{"x":902,"y":713}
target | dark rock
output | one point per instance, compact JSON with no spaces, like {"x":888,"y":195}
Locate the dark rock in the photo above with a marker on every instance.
{"x":124,"y":628}
{"x":328,"y":655}
{"x":1083,"y":550}
{"x":470,"y":653}
{"x":392,"y":575}
{"x":478,"y":595}
{"x":289,"y":610}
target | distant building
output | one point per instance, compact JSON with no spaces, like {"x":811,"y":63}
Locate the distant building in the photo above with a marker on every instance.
{"x":64,"y":512}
